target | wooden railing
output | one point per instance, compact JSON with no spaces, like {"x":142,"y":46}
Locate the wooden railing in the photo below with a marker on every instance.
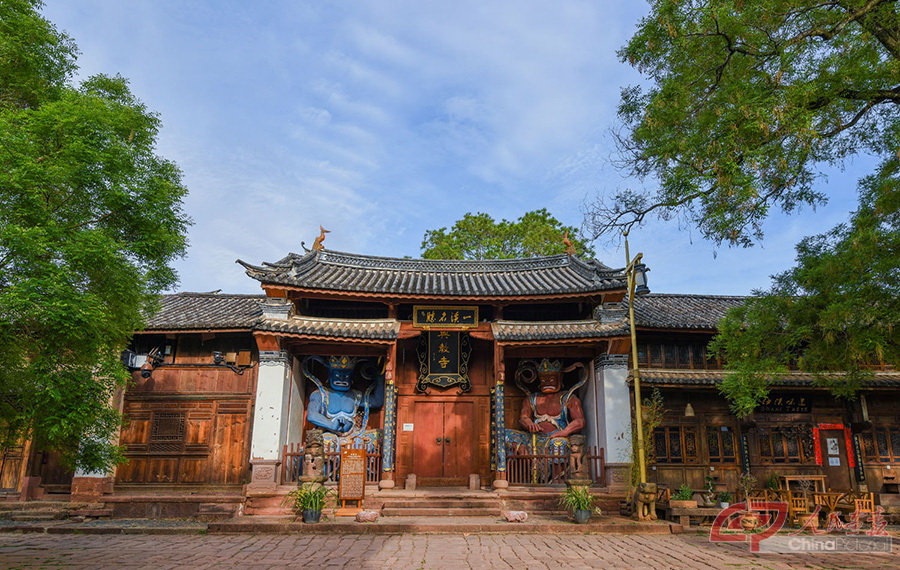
{"x":551,"y":469}
{"x":292,"y":465}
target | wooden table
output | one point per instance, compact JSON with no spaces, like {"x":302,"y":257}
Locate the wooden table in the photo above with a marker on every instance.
{"x":818,"y":481}
{"x":684,"y":515}
{"x":828,"y":500}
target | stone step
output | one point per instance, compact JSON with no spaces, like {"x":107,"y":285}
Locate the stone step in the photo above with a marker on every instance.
{"x":430,"y":512}
{"x":38,"y":516}
{"x":25,"y":505}
{"x":441,"y":503}
{"x":94,"y":513}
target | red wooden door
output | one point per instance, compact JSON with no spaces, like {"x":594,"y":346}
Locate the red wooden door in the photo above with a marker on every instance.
{"x":443,"y":442}
{"x":459,"y":424}
{"x":428,"y":439}
{"x":835,"y":464}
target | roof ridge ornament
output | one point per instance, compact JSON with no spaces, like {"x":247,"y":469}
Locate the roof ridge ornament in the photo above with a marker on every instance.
{"x":570,"y":247}
{"x":317,"y":244}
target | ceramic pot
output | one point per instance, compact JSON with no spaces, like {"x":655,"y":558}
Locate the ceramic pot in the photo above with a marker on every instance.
{"x":808,"y":520}
{"x":581,"y":516}
{"x":312,"y":516}
{"x":749,"y":521}
{"x":675,"y":504}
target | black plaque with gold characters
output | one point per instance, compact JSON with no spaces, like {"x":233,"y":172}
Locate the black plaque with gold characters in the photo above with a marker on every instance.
{"x":444,"y":317}
{"x":444,"y":360}
{"x":785,"y":404}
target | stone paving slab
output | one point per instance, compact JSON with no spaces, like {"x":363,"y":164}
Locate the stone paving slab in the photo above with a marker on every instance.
{"x":361,"y":552}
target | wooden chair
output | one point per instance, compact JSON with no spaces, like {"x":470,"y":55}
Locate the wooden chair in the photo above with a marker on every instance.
{"x":865,"y":505}
{"x":756,"y":496}
{"x":797,"y":505}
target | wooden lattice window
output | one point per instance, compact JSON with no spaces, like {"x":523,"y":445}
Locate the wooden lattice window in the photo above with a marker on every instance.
{"x":881,"y":444}
{"x":167,"y":433}
{"x":675,"y":444}
{"x":722,"y":444}
{"x":788,"y":444}
{"x":675,"y":354}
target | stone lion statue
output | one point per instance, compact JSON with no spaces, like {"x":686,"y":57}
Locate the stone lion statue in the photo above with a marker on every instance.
{"x":645,"y":502}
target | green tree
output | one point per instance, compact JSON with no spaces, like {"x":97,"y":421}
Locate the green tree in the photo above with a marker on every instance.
{"x":745,"y":102}
{"x":90,"y":219}
{"x":834,"y":314}
{"x":478,"y":236}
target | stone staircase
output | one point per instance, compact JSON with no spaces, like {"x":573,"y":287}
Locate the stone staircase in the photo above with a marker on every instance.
{"x":33,"y":511}
{"x":443,"y":502}
{"x":441,"y":505}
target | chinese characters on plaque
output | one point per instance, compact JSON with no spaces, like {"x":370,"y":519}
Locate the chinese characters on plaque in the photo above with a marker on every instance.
{"x":444,"y":360}
{"x":445,"y":317}
{"x":785,"y":404}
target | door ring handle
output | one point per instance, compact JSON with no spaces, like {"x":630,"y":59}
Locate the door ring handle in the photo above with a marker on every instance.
{"x":446,"y":440}
{"x":438,"y":441}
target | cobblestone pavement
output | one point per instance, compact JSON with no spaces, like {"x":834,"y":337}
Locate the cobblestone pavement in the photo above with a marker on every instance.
{"x":404,"y":551}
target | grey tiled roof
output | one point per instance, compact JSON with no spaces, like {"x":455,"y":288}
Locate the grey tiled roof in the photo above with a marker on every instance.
{"x":377,"y":329}
{"x":192,"y":311}
{"x":714,"y":377}
{"x":558,"y":330}
{"x":336,"y":271}
{"x":663,"y":310}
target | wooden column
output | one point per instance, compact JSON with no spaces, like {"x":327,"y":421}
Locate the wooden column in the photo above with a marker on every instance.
{"x":388,"y":447}
{"x":499,"y":419}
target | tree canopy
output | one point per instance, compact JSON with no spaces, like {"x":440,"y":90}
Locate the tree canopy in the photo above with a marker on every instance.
{"x":745,"y":102}
{"x":479,"y":236}
{"x":90,"y":220}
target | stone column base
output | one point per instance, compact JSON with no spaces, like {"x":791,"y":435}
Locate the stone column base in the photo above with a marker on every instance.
{"x":265,"y":475}
{"x":90,"y":489}
{"x":617,"y":475}
{"x":387,"y":480}
{"x":500,"y":483}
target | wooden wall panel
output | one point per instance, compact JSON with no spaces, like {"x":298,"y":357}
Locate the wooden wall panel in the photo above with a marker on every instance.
{"x":228,"y":452}
{"x":184,"y":379}
{"x":214,"y":448}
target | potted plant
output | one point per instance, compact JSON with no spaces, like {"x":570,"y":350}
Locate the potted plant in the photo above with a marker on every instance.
{"x":709,"y":495}
{"x":749,"y":519}
{"x":580,"y":500}
{"x":683,"y":498}
{"x":725,"y":499}
{"x":309,"y":499}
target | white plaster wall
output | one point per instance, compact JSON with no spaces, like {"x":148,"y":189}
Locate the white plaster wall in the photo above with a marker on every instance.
{"x":593,"y":416}
{"x":616,"y":413}
{"x":273,"y":386}
{"x":297,"y":405}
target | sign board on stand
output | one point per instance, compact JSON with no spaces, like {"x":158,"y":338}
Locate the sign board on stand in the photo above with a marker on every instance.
{"x":352,"y":485}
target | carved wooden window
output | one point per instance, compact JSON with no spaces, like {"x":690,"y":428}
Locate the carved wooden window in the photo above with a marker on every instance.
{"x":788,"y":444}
{"x":881,"y":444}
{"x":722,"y":444}
{"x":675,"y":444}
{"x":676,"y":354}
{"x":167,"y":432}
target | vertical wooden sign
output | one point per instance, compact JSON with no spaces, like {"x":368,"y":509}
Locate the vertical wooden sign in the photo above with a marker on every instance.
{"x":352,"y":485}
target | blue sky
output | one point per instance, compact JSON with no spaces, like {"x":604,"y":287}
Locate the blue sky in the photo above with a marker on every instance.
{"x":382,"y":119}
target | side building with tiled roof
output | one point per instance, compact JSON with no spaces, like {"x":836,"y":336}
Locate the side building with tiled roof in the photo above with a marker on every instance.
{"x":801,"y":429}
